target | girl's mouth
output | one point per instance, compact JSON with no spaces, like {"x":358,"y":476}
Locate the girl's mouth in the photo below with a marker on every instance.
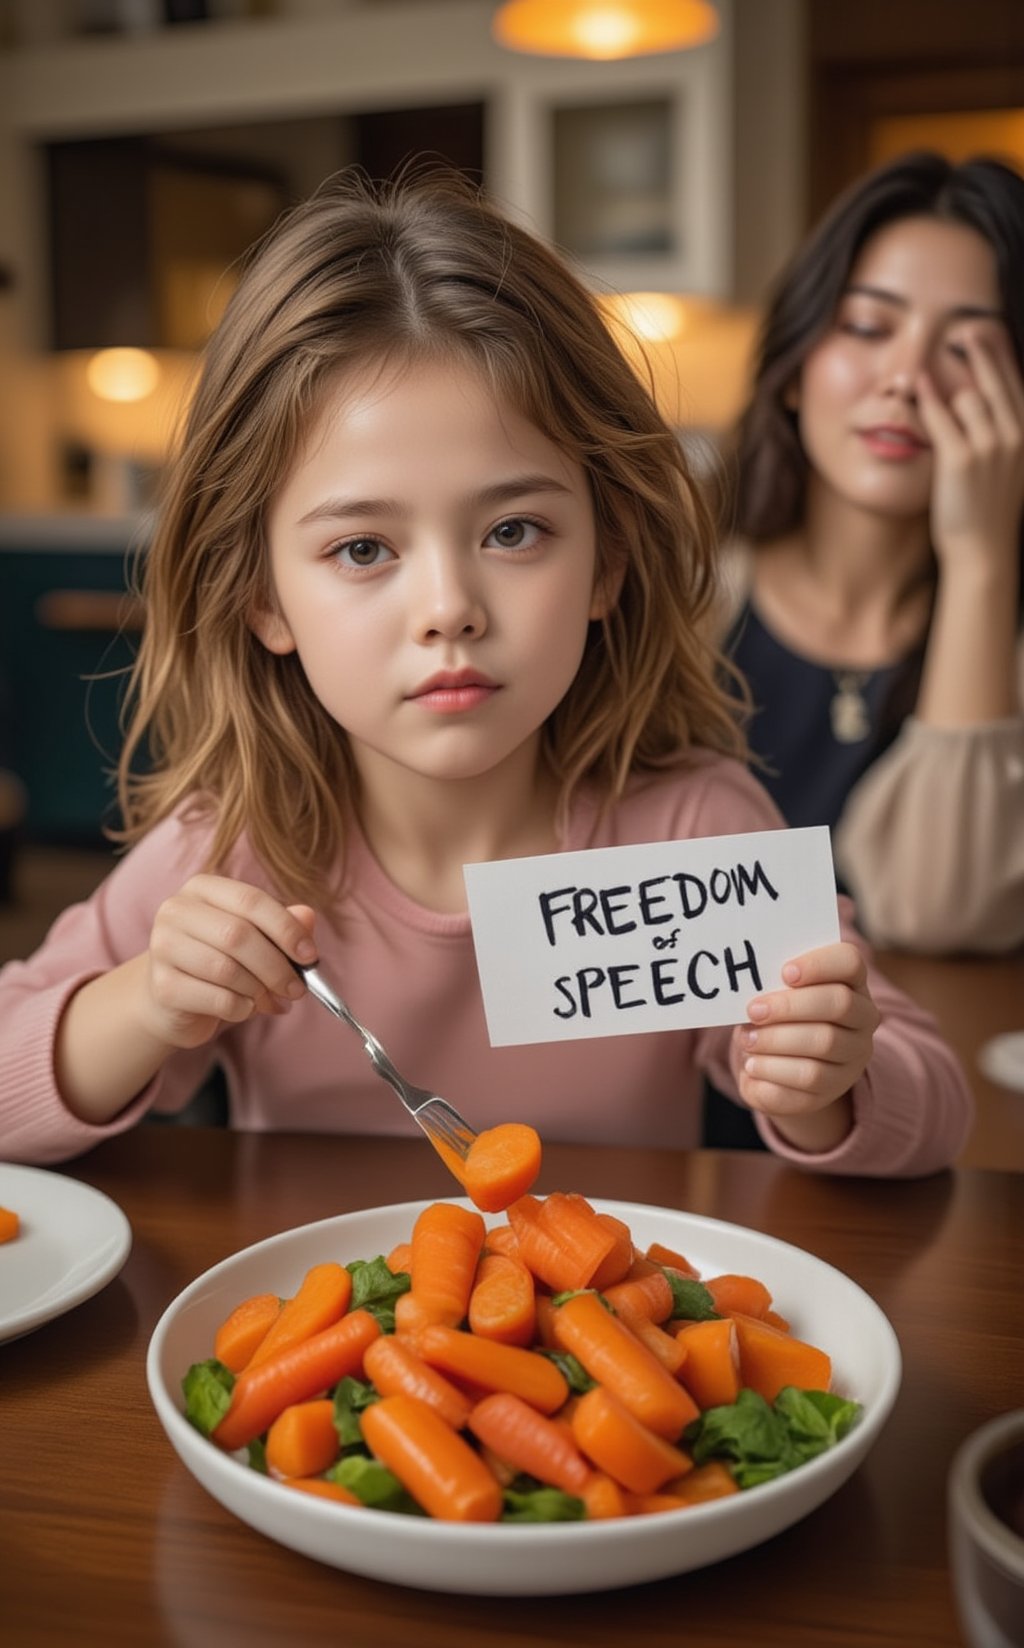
{"x":450,"y":692}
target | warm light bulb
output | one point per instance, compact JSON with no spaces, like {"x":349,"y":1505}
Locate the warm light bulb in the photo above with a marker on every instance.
{"x":122,"y":374}
{"x":604,"y":28}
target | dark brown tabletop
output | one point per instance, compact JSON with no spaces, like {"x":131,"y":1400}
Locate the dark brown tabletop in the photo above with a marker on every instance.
{"x":106,"y":1538}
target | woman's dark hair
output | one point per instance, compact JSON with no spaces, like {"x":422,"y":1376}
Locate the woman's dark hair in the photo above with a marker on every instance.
{"x":984,"y":194}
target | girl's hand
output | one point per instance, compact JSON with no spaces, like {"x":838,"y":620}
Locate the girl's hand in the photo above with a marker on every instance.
{"x":806,"y":1046}
{"x":218,"y":953}
{"x":978,"y":452}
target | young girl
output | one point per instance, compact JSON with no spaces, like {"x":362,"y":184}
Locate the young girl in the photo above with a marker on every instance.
{"x":426,"y":589}
{"x":875,"y":593}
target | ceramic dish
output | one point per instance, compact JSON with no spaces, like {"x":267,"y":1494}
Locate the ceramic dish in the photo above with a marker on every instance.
{"x":822,"y":1304}
{"x":73,"y":1240}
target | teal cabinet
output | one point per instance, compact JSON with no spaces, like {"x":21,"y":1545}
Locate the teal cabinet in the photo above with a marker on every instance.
{"x":66,"y":642}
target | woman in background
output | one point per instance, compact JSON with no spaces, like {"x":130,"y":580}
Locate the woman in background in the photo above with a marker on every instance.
{"x":874,"y":588}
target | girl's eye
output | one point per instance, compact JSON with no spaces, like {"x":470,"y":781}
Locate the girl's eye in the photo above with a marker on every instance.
{"x":957,"y":350}
{"x":858,"y":329}
{"x":518,"y":532}
{"x":362,"y":553}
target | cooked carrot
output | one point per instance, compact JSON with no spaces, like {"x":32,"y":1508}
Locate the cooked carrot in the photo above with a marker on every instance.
{"x":433,"y":1463}
{"x":617,"y":1360}
{"x":649,"y":1296}
{"x":529,"y":1441}
{"x":240,"y":1334}
{"x":493,"y":1367}
{"x":502,"y":1239}
{"x":294,"y":1375}
{"x":323,"y":1298}
{"x":662,"y":1255}
{"x":562,"y":1245}
{"x":770,"y":1359}
{"x":545,"y":1312}
{"x":739,"y":1293}
{"x":665,"y":1347}
{"x":602,"y":1497}
{"x":302,"y":1441}
{"x":10,"y":1224}
{"x":614,"y":1268}
{"x":446,"y":1244}
{"x":400,"y":1259}
{"x":617,"y":1443}
{"x":502,"y":1305}
{"x":714,"y":1480}
{"x":653,"y":1503}
{"x":501,"y":1165}
{"x":711,"y":1371}
{"x":413,"y":1314}
{"x":323,"y":1489}
{"x":395,"y":1369}
{"x":500,"y":1469}
{"x":774,"y":1320}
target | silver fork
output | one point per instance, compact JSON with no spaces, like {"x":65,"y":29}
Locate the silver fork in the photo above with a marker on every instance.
{"x":439,"y":1120}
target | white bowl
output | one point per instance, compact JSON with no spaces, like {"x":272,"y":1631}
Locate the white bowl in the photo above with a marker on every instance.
{"x":821,"y":1304}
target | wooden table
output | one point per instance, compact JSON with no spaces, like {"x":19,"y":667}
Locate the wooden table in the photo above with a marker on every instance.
{"x":106,"y":1539}
{"x":974,"y":998}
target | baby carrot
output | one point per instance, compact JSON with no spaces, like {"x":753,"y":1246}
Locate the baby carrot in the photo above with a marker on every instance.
{"x":400,"y":1258}
{"x":502,"y":1239}
{"x":446,"y":1244}
{"x":501,"y":1165}
{"x":526,"y":1439}
{"x":323,"y":1489}
{"x":562,"y":1244}
{"x":665,"y":1347}
{"x":714,"y":1480}
{"x":617,"y":1443}
{"x":770,"y":1359}
{"x":603,"y":1497}
{"x":243,"y":1331}
{"x":294,"y":1375}
{"x":302,"y":1441}
{"x":616,"y":1359}
{"x":323,"y":1297}
{"x":433,"y":1463}
{"x":10,"y":1224}
{"x":649,"y":1296}
{"x":738,"y":1293}
{"x":395,"y":1369}
{"x":662,"y":1255}
{"x":614,"y":1267}
{"x":711,"y":1370}
{"x":502,"y":1305}
{"x":493,"y":1367}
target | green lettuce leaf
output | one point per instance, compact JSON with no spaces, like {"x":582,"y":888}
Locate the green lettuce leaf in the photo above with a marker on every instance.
{"x":207,"y":1388}
{"x":373,"y":1483}
{"x":351,"y":1398}
{"x":375,"y":1288}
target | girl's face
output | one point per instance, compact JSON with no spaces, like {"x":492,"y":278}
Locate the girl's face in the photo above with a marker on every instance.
{"x":433,"y":561}
{"x":918,"y":288}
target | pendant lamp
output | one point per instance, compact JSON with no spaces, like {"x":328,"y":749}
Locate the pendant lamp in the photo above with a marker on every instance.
{"x":604,"y":29}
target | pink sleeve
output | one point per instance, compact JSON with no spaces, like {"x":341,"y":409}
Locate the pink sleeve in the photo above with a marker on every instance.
{"x":87,"y":939}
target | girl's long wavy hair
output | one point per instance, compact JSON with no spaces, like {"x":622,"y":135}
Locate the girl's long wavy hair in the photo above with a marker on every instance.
{"x":421,"y":267}
{"x":767,"y":460}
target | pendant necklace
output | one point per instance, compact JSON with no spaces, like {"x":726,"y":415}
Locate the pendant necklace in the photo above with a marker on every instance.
{"x":851,"y":719}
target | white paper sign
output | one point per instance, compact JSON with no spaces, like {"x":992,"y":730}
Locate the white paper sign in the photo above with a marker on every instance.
{"x":665,"y":936}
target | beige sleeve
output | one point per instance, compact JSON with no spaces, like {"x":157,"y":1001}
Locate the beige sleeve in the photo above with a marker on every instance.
{"x":931,"y":841}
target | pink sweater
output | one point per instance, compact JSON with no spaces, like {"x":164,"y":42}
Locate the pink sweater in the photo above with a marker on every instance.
{"x":410,"y":974}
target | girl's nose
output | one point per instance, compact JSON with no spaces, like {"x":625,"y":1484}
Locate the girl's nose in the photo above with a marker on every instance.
{"x":907,"y":359}
{"x":449,"y":605}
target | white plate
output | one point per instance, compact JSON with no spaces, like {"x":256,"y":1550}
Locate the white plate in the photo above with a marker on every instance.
{"x":822,"y":1305}
{"x":73,"y":1240}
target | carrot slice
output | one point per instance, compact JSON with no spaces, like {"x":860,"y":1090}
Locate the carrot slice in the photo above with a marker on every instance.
{"x":10,"y":1224}
{"x":502,"y":1239}
{"x":433,"y":1463}
{"x":395,"y":1369}
{"x":617,"y":1443}
{"x":501,"y":1165}
{"x":529,"y":1441}
{"x":770,"y":1359}
{"x":302,"y":1441}
{"x":649,"y":1296}
{"x":294,"y":1375}
{"x":241,"y":1333}
{"x":493,"y":1367}
{"x":614,"y":1268}
{"x":502,"y":1305}
{"x":323,"y":1298}
{"x":739,"y":1293}
{"x":616,"y":1359}
{"x":711,"y":1370}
